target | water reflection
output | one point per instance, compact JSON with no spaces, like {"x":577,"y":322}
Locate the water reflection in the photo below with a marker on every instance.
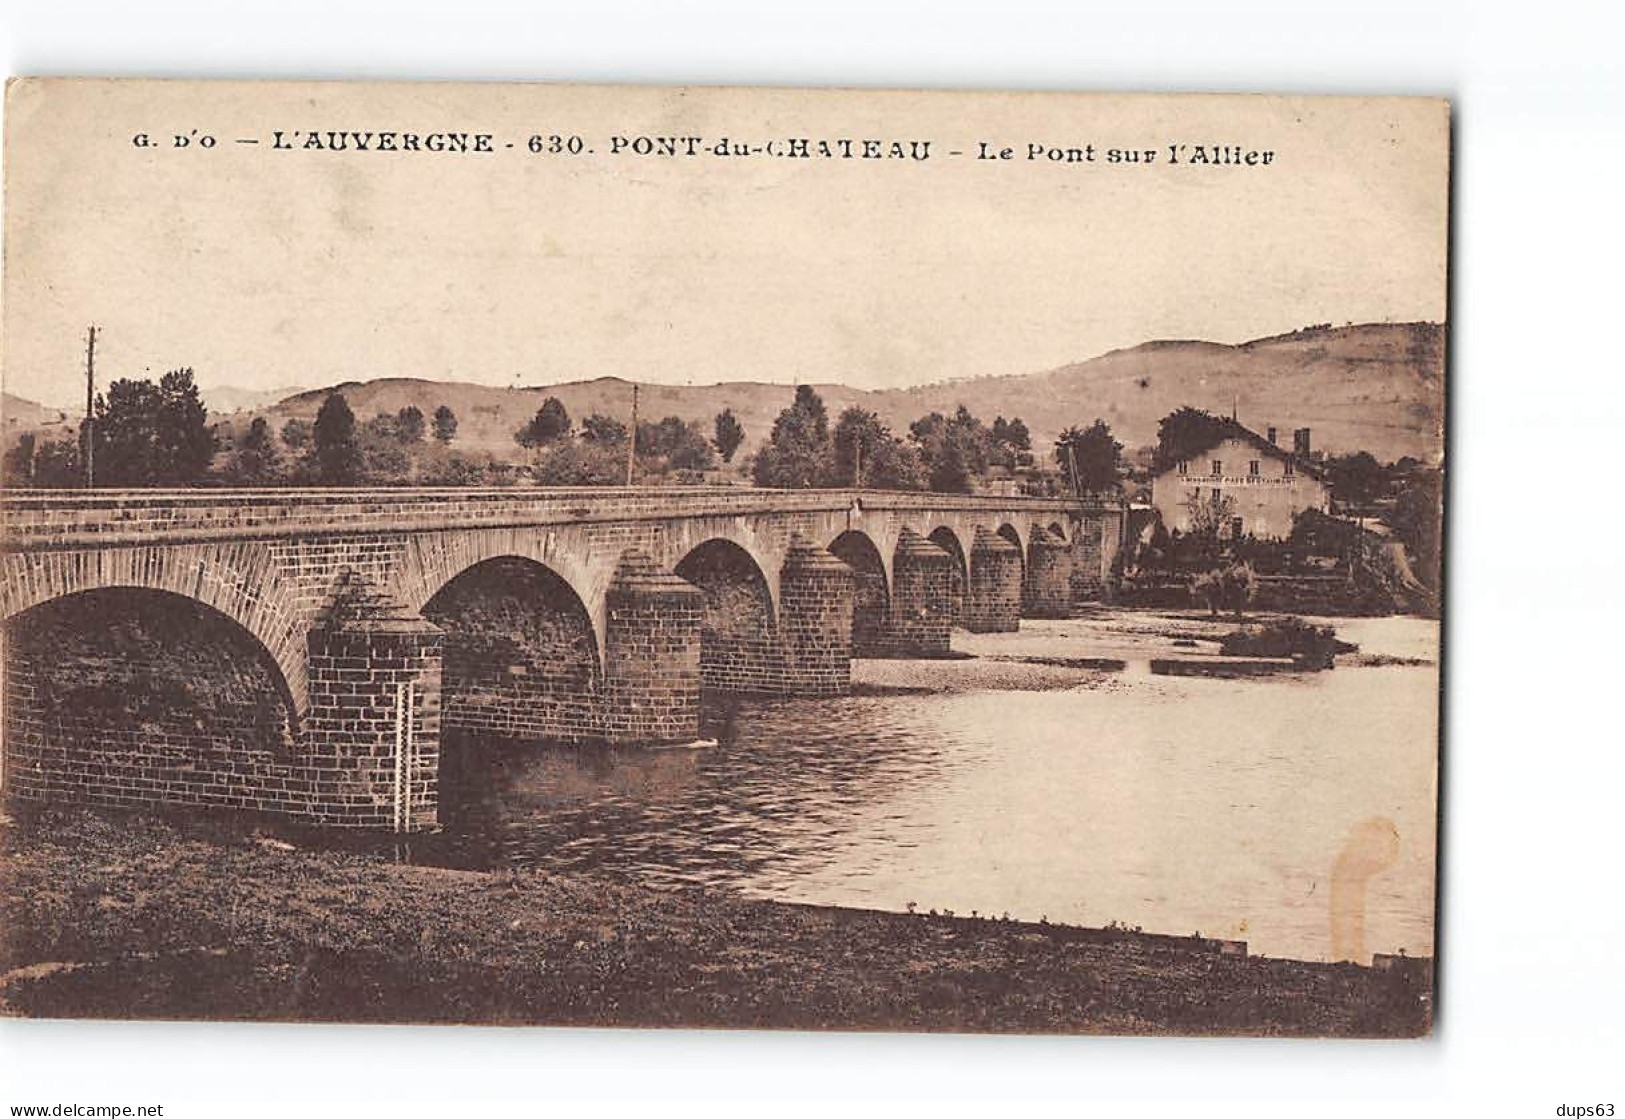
{"x":1177,"y":804}
{"x":772,"y":798}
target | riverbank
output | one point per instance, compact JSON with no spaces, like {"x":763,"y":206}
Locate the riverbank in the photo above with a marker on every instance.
{"x":125,"y":916}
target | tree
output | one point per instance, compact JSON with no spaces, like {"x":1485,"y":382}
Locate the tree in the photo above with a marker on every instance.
{"x":602,"y":429}
{"x":1417,"y":520}
{"x":1011,"y":434}
{"x":1186,"y":432}
{"x":798,"y":453}
{"x":48,"y":464}
{"x":673,"y":444}
{"x":455,"y":469}
{"x":338,"y":457}
{"x":152,"y":434}
{"x":857,"y":433}
{"x":1357,"y":478}
{"x":17,"y":468}
{"x":257,"y":462}
{"x":1207,"y":517}
{"x":56,"y":465}
{"x":383,"y":449}
{"x":954,"y":449}
{"x":868,"y":454}
{"x":1226,"y":588}
{"x":409,"y":424}
{"x":729,"y":434}
{"x":580,"y":462}
{"x":445,"y":425}
{"x":550,"y":423}
{"x":297,"y":434}
{"x":382,"y":428}
{"x":1096,"y":453}
{"x":894,"y":465}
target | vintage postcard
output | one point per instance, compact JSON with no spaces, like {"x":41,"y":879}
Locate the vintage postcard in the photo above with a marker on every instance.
{"x":560,"y":555}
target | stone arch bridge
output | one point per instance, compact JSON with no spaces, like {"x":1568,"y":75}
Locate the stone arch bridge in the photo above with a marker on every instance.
{"x":300,"y":652}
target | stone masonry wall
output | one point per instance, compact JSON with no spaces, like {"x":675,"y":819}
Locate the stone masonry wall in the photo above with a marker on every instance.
{"x":652,"y":655}
{"x":1048,"y":593}
{"x":358,"y":676}
{"x":815,"y":622}
{"x":993,"y":602}
{"x":924,"y":602}
{"x":1087,"y":558}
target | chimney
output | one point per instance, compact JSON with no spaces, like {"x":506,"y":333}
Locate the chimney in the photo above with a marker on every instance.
{"x":1271,"y":436}
{"x":1300,"y":442}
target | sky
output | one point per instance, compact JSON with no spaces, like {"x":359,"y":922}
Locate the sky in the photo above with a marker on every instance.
{"x":262,"y":268}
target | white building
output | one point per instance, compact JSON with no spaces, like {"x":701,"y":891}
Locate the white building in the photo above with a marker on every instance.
{"x":1245,"y":482}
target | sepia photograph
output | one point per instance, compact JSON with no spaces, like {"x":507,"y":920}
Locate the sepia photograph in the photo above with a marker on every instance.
{"x":747,"y":558}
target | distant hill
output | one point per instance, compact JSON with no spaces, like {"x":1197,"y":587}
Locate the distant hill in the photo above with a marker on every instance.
{"x":1377,"y":387}
{"x":228,"y":398}
{"x":18,"y":415}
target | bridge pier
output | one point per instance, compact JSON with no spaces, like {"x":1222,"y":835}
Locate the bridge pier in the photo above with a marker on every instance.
{"x":1094,"y":547}
{"x":651,"y":655}
{"x":1048,"y":593}
{"x":923,"y":600}
{"x":816,"y":599}
{"x":993,"y":598}
{"x":370,"y":742}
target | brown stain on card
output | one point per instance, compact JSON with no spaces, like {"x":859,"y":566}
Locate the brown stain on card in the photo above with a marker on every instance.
{"x":1372,"y":846}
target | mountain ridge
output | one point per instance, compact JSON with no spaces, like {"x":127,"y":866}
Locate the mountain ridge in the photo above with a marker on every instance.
{"x":1372,"y":386}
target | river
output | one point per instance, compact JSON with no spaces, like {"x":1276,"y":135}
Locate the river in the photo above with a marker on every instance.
{"x":1294,"y":812}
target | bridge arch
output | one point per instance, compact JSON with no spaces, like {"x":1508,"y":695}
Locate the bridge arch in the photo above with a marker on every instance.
{"x":738,"y":630}
{"x":133,"y":696}
{"x":433,"y":560}
{"x":766,"y":549}
{"x":239,"y":580}
{"x":871,"y":594}
{"x":521,"y":656}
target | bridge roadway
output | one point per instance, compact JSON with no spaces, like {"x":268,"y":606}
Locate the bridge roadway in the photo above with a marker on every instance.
{"x":302,"y":652}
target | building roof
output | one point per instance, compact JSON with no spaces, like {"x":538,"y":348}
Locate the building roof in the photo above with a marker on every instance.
{"x":1231,"y":429}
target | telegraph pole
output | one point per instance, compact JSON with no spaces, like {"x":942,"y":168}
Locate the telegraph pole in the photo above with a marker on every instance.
{"x":632,"y":438}
{"x":90,"y":408}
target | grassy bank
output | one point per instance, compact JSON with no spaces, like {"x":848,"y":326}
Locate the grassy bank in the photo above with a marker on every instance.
{"x":112,"y":916}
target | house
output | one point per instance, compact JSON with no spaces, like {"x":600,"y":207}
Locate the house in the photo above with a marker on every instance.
{"x":1244,"y":484}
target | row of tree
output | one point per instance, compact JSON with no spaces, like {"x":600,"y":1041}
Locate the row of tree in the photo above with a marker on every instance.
{"x":670,"y":444}
{"x":145,"y":433}
{"x":945,"y":454}
{"x":157,"y":434}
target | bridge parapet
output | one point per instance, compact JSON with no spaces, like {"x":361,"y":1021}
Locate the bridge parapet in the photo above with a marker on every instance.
{"x":55,"y":519}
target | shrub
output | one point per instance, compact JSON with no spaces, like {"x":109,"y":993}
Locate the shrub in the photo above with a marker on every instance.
{"x":1313,"y":645}
{"x":1225,"y":588}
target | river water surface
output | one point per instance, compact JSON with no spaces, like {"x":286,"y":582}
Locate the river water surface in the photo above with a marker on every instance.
{"x":1294,"y":812}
